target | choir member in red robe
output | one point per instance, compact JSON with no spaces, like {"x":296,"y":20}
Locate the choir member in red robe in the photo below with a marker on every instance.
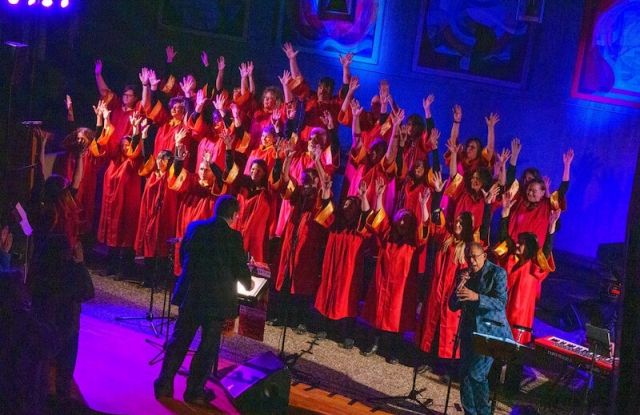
{"x":198,"y":194}
{"x":258,"y":204}
{"x":438,"y":323}
{"x":121,"y":110}
{"x":527,"y":266}
{"x":264,"y":116}
{"x":391,"y":300}
{"x":417,"y":140}
{"x":473,"y":155}
{"x":158,"y":213}
{"x":343,"y":268}
{"x":303,"y":240}
{"x":531,"y":213}
{"x":121,"y":198}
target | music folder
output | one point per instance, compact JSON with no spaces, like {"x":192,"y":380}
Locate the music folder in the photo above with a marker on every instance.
{"x":258,"y":285}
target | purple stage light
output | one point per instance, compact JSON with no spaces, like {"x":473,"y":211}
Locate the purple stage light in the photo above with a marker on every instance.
{"x":64,"y":3}
{"x":31,"y":2}
{"x":47,"y":3}
{"x":14,"y":2}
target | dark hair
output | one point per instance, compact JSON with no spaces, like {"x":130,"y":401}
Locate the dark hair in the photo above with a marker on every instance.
{"x":474,"y":244}
{"x":327,"y":81}
{"x":477,"y":140}
{"x":165,"y":154}
{"x":53,"y":187}
{"x":176,"y":100}
{"x":131,"y":88}
{"x":263,"y":165}
{"x":530,"y":242}
{"x":311,"y":171}
{"x":277,"y":92}
{"x":226,"y":206}
{"x":412,"y":174}
{"x":485,"y":178}
{"x":466,"y":220}
{"x":532,"y":171}
{"x":418,"y":121}
{"x":536,"y":180}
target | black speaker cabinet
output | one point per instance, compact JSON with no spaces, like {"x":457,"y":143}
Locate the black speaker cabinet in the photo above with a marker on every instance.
{"x":259,"y":386}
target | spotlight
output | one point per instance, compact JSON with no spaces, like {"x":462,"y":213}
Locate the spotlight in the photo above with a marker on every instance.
{"x":14,"y":2}
{"x":64,"y":3}
{"x":47,"y":3}
{"x":31,"y":2}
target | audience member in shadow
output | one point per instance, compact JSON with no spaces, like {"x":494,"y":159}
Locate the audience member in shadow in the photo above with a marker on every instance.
{"x":25,"y":345}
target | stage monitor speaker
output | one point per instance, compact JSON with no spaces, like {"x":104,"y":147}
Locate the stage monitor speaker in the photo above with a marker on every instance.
{"x":259,"y":386}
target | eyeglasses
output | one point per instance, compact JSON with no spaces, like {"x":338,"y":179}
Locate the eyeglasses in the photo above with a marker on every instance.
{"x":471,"y":256}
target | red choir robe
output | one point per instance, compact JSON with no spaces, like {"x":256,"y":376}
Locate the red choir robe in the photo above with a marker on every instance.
{"x":391,"y":300}
{"x":414,"y":151}
{"x":262,"y":152}
{"x":304,"y":237}
{"x":257,"y":217}
{"x":534,"y":219}
{"x":358,"y":169}
{"x":158,"y":214}
{"x":120,"y":197}
{"x":524,"y":281}
{"x":460,"y":200}
{"x":119,"y":122}
{"x":301,"y":161}
{"x":466,"y":166}
{"x":261,"y":119}
{"x":437,"y":317}
{"x":342,"y":273}
{"x":196,"y":202}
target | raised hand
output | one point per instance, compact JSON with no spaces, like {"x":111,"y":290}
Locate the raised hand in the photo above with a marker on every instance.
{"x":327,"y":120}
{"x":547,"y":185}
{"x":171,"y":53}
{"x":354,"y":83}
{"x":291,"y":111}
{"x":380,"y":186}
{"x":403,"y":135}
{"x":97,"y":69}
{"x":221,"y":64}
{"x":289,"y":51}
{"x":68,"y":103}
{"x":153,"y":79}
{"x":567,"y":158}
{"x":243,"y":70}
{"x":325,"y":186}
{"x":434,"y":138}
{"x":285,"y":78}
{"x":228,"y":140}
{"x":397,"y":117}
{"x":145,"y":129}
{"x":457,"y":113}
{"x":491,"y":195}
{"x":276,"y":115}
{"x":362,"y":189}
{"x":423,"y":197}
{"x":516,"y":146}
{"x":219,"y":102}
{"x":503,"y":157}
{"x":452,"y":146}
{"x":180,"y":136}
{"x":492,"y":119}
{"x":346,"y":59}
{"x":187,"y":85}
{"x":204,"y":58}
{"x":438,"y":183}
{"x":426,"y":103}
{"x":6,"y":239}
{"x":249,"y":68}
{"x":508,"y":201}
{"x":144,"y":76}
{"x":235,"y":111}
{"x":553,"y":220}
{"x":201,"y":99}
{"x":356,"y":108}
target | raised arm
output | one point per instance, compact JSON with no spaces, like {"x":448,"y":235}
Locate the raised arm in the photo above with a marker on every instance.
{"x":501,"y":166}
{"x":252,"y":85}
{"x":354,"y":83}
{"x":146,"y":87}
{"x":453,"y":157}
{"x":423,"y":199}
{"x":356,"y":135}
{"x":244,"y":81}
{"x":293,"y":60}
{"x":103,"y":88}
{"x":392,"y":148}
{"x":345,"y":61}
{"x":380,"y":188}
{"x":567,"y":159}
{"x":220,"y":76}
{"x":284,"y":81}
{"x":457,"y":119}
{"x":491,"y":121}
{"x":362,"y":195}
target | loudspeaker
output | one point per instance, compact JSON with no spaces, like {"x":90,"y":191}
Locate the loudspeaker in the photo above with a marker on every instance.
{"x":259,"y":386}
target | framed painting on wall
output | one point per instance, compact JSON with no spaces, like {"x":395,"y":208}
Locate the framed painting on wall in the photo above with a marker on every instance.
{"x":479,"y":40}
{"x":226,"y":19}
{"x":608,"y":63}
{"x":333,"y":27}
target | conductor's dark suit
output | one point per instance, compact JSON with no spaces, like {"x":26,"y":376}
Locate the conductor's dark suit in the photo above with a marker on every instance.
{"x":213,"y":261}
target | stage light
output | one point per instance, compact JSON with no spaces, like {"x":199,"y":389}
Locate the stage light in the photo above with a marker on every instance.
{"x":13,"y":1}
{"x":64,"y":3}
{"x":31,"y":2}
{"x":47,"y":3}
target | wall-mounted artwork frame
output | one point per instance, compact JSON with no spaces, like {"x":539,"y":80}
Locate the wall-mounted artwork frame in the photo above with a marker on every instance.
{"x":480,"y":43}
{"x":608,"y":62}
{"x":332,"y":28}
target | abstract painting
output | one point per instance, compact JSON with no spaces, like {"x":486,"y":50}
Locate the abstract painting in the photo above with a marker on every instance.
{"x":480,"y":40}
{"x":608,"y":65}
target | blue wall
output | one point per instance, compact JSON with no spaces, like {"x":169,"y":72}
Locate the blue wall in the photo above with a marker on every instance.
{"x":543,"y":114}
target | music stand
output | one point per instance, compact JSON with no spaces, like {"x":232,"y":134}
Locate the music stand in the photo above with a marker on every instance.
{"x":411,"y":396}
{"x":599,"y":342}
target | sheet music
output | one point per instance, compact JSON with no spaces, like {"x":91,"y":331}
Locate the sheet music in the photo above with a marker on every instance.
{"x":258,"y":283}
{"x":24,"y":221}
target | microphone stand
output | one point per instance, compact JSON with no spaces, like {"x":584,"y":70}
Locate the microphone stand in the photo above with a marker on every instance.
{"x":456,"y":341}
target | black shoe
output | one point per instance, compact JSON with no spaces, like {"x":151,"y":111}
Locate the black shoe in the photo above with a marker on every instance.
{"x":321,"y":335}
{"x":393,"y":360}
{"x":276,"y":322}
{"x":162,"y":390}
{"x":202,"y":398}
{"x":424,"y":369}
{"x":347,"y":343}
{"x":300,"y":329}
{"x":370,"y":351}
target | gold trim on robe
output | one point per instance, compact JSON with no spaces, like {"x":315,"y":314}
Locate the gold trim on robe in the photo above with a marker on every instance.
{"x":325,"y":216}
{"x":453,"y":185}
{"x":95,"y":150}
{"x":375,"y":219}
{"x":558,"y":202}
{"x":148,"y":167}
{"x":175,"y":183}
{"x":543,"y":262}
{"x":501,"y":249}
{"x":168,"y":86}
{"x":244,"y":143}
{"x":232,"y":175}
